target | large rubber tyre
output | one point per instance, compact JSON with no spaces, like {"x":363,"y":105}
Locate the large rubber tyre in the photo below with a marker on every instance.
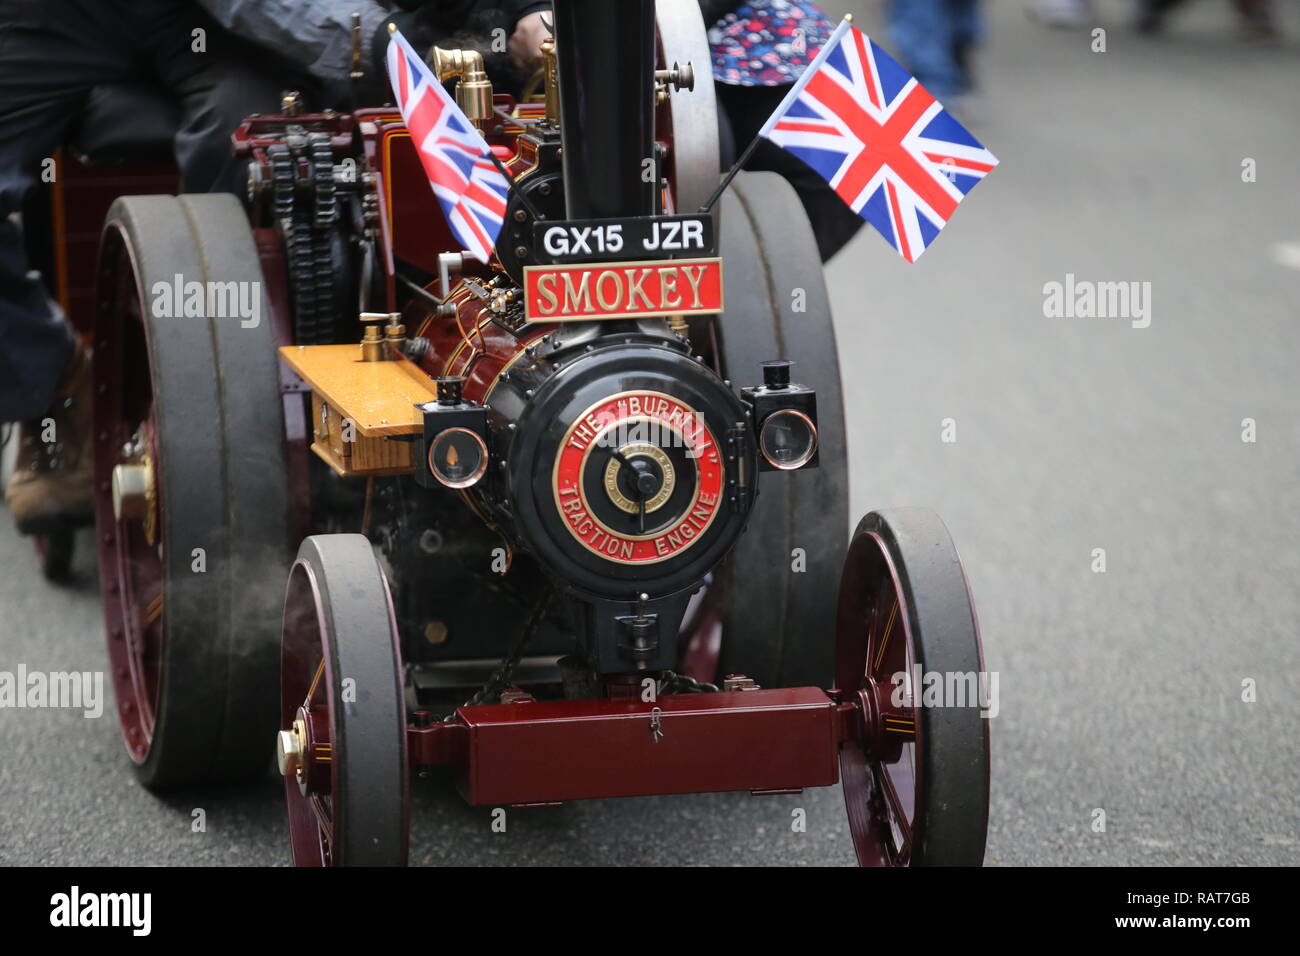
{"x":346,"y":780}
{"x":916,"y":781}
{"x":779,"y":622}
{"x":192,"y":615}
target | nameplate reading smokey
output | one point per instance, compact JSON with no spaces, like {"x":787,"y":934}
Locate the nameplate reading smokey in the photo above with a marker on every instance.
{"x":622,"y":290}
{"x":644,"y":237}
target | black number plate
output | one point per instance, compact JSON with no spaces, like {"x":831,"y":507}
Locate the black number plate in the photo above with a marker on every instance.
{"x":644,"y":237}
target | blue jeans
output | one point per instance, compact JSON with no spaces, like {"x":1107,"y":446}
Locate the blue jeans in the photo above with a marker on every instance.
{"x":932,"y":38}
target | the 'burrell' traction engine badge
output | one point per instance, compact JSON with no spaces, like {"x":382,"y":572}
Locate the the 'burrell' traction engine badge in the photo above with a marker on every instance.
{"x":638,"y":477}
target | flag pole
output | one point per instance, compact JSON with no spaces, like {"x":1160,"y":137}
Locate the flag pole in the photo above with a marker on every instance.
{"x":790,"y":96}
{"x":731,"y":174}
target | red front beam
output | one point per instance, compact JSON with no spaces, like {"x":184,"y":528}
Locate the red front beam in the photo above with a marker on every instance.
{"x":543,"y":752}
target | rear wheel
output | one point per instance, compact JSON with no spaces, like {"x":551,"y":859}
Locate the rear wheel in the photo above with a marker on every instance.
{"x":190,"y":497}
{"x":342,"y":744}
{"x":779,"y":583}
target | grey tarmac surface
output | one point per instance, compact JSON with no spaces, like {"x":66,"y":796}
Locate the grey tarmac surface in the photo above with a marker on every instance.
{"x":1119,"y":691}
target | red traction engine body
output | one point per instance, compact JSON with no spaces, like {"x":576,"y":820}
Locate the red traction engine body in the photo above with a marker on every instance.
{"x":527,"y":491}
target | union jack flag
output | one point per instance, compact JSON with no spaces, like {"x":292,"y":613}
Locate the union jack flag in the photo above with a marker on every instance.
{"x":469,"y":187}
{"x":886,"y":146}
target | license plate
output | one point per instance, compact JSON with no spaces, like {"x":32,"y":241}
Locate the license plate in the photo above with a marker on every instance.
{"x":622,"y":290}
{"x":643,"y":237}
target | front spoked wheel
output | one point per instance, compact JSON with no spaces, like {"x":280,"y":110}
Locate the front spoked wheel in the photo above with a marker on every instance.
{"x":908,"y":656}
{"x":342,"y":746}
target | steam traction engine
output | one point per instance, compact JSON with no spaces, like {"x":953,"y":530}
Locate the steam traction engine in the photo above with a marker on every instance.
{"x":537,"y":518}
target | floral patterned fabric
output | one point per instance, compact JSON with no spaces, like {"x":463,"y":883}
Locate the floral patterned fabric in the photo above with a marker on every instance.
{"x":767,"y":42}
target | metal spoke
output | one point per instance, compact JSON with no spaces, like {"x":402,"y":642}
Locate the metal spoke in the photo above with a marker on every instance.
{"x":899,"y":814}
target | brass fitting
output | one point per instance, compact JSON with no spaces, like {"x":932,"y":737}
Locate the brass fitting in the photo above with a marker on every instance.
{"x":291,"y":756}
{"x":372,"y":345}
{"x":473,"y":89}
{"x":552,"y":79}
{"x":679,"y":78}
{"x":395,"y":334}
{"x":289,"y":750}
{"x":134,"y":495}
{"x":381,"y":327}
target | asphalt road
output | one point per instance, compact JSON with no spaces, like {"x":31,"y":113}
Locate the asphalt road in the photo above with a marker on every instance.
{"x":1120,"y":691}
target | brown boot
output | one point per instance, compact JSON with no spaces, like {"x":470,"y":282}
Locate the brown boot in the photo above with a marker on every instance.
{"x":53,"y":477}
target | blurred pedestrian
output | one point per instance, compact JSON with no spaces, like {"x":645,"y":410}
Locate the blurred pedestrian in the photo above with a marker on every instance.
{"x":935,"y":40}
{"x":1257,"y":21}
{"x":53,"y":54}
{"x":760,"y":48}
{"x":1063,"y":13}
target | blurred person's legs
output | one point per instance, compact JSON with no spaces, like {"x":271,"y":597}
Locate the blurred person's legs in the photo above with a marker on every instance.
{"x":215,"y":90}
{"x":934,"y":39}
{"x":50,"y":57}
{"x":967,"y":32}
{"x":52,"y":54}
{"x":1257,"y":21}
{"x":1152,"y":14}
{"x":1063,"y":13}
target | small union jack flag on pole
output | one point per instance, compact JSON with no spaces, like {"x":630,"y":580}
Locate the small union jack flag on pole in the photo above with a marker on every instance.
{"x":470,"y":188}
{"x":886,"y":146}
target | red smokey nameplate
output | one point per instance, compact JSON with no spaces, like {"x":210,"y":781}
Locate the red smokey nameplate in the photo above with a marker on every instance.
{"x":621,"y":290}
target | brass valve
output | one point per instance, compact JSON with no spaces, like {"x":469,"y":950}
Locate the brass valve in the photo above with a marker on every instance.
{"x":679,"y":78}
{"x":372,"y":342}
{"x":473,"y":89}
{"x":291,"y":103}
{"x":551,"y":77}
{"x":395,"y":334}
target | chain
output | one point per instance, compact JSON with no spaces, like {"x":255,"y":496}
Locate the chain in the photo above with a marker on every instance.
{"x":500,"y":679}
{"x":321,"y":156}
{"x":311,"y":267}
{"x":670,"y":683}
{"x":674,"y":683}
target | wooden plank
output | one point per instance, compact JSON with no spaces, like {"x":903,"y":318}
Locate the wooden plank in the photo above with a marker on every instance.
{"x":355,"y":454}
{"x":379,"y":397}
{"x":347,"y":470}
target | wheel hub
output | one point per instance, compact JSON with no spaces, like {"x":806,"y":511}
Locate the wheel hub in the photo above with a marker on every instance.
{"x":304,"y":751}
{"x":134,"y":490}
